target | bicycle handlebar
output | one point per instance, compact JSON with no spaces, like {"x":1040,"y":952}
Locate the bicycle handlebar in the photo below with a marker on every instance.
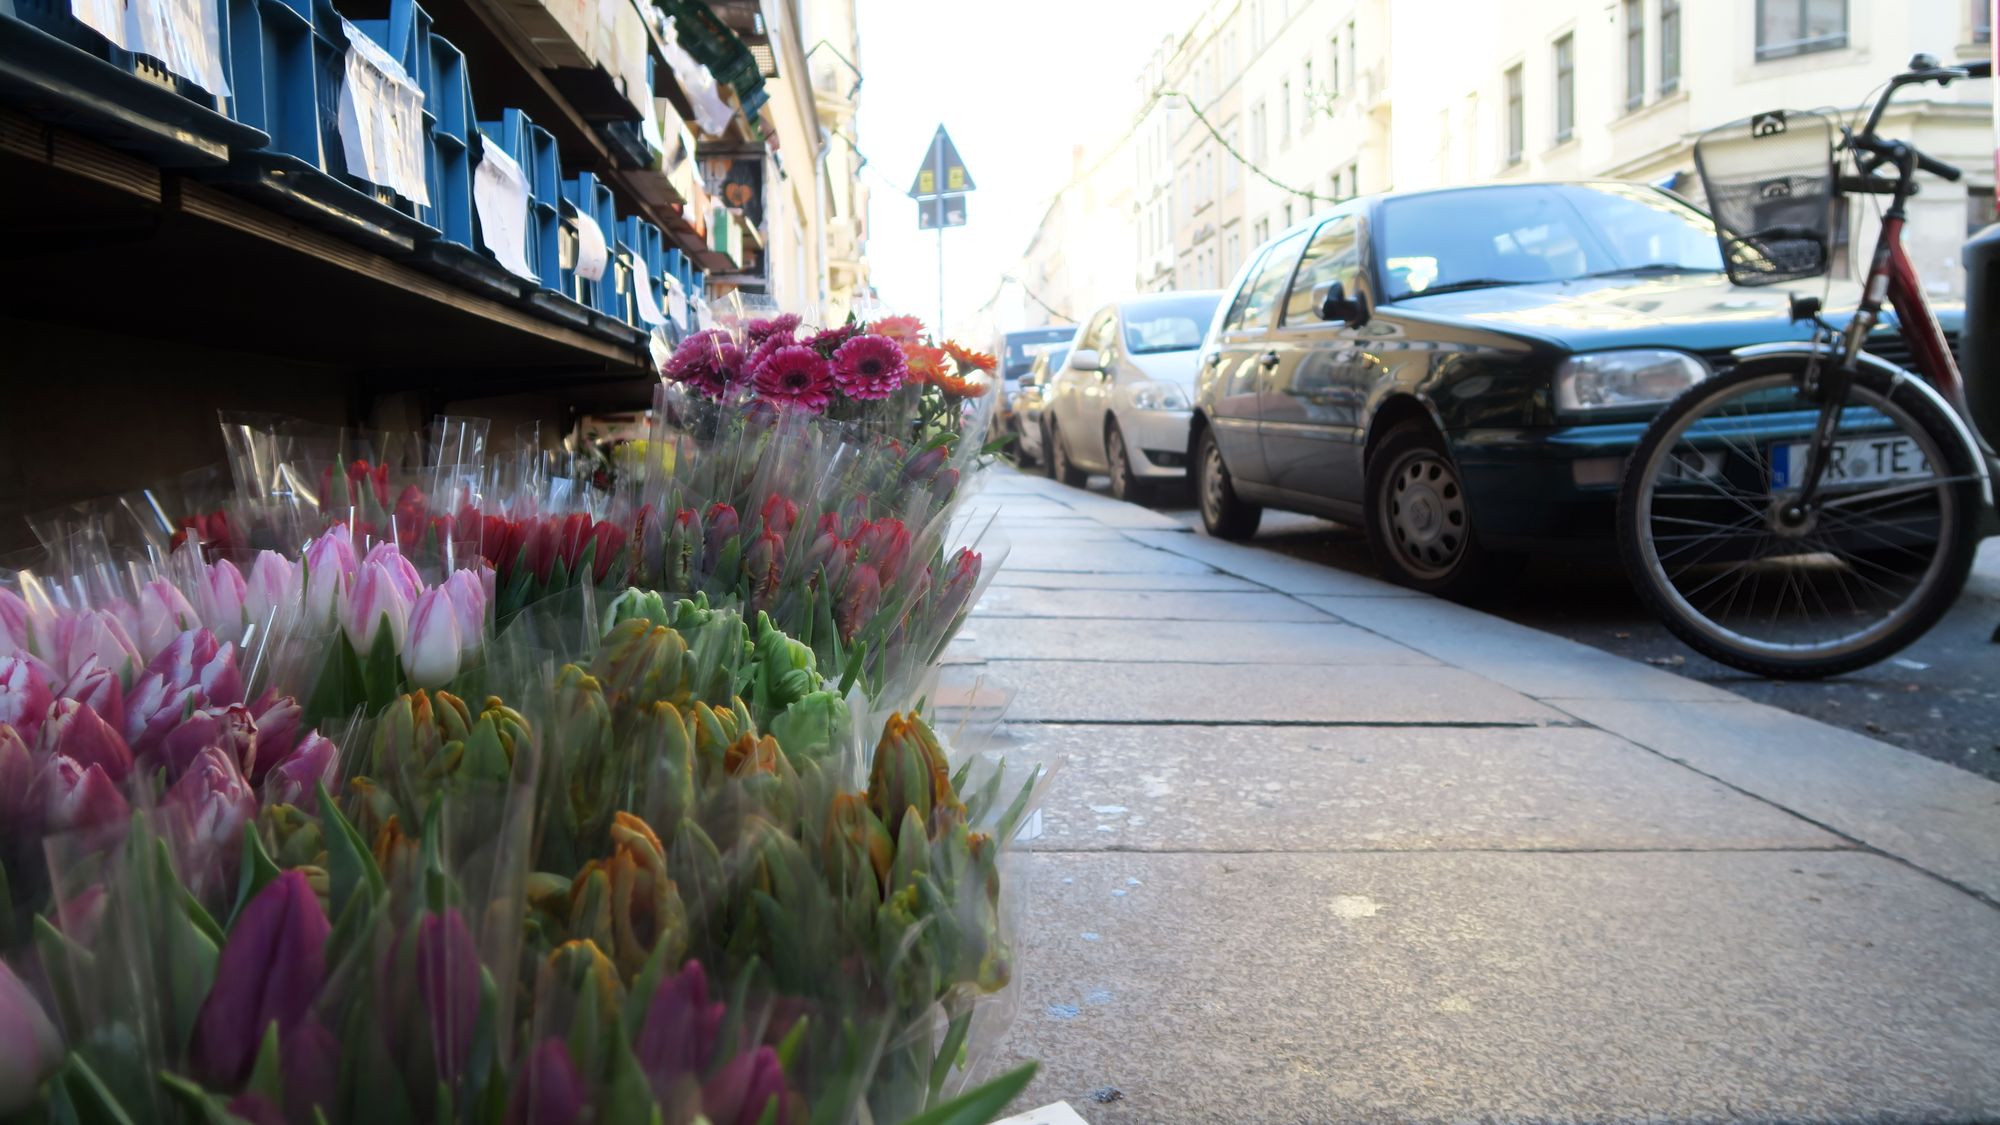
{"x":1936,"y":167}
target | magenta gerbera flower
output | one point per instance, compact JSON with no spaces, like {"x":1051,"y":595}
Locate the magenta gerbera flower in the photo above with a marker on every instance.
{"x":760,"y":330}
{"x":795,"y":376}
{"x":826,"y":341}
{"x":869,"y":367}
{"x":707,"y":361}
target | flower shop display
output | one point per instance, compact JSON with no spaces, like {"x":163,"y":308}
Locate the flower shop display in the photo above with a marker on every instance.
{"x":408,"y":781}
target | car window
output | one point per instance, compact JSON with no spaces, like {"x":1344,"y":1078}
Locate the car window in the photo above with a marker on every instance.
{"x":1103,"y":331}
{"x":1253,"y":305}
{"x":1335,"y":255}
{"x":1175,"y":325}
{"x":1241,"y":300}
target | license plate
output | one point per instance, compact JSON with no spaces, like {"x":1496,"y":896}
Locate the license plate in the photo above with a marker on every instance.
{"x":1852,"y":461}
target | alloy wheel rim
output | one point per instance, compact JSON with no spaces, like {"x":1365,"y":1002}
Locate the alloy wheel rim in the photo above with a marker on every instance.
{"x":1211,"y":481}
{"x":1121,"y":466}
{"x":1423,"y":514}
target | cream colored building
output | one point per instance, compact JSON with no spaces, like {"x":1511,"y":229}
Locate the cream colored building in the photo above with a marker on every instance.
{"x":834,"y":55}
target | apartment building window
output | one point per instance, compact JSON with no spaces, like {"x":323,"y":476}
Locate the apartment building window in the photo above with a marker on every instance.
{"x":1797,"y":27}
{"x":1333,"y":70}
{"x":1353,"y":74}
{"x":1565,"y":88}
{"x":1284,"y":113}
{"x":1288,"y":213}
{"x":1517,"y":118}
{"x":1306,"y":96}
{"x":1232,"y":167}
{"x":1260,"y":139}
{"x":1261,"y":231}
{"x":1635,"y":53}
{"x":1670,"y":45}
{"x":1233,"y":258}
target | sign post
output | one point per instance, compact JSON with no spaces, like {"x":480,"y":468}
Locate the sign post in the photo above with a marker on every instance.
{"x":940,"y":190}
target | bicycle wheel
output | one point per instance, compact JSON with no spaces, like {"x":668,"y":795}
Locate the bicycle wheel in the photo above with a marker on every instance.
{"x":1714,"y":543}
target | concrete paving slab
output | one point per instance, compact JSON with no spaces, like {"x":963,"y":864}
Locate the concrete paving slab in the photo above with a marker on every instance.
{"x":1528,"y":660}
{"x":1292,"y":576}
{"x":1067,"y":580}
{"x":1143,"y":641}
{"x":1156,"y":605}
{"x":1944,"y":820}
{"x":1298,"y":789}
{"x":1082,"y":691}
{"x":1102,"y":558}
{"x":1505,"y":987}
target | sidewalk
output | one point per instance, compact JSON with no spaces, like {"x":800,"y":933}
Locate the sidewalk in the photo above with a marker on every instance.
{"x":1327,"y":850}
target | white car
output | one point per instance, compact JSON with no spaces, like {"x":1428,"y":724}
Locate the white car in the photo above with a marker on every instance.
{"x":1122,"y":402}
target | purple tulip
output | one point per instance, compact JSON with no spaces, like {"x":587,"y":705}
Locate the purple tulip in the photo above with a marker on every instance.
{"x":681,"y":1027}
{"x":431,"y":651}
{"x":470,"y":592}
{"x":254,"y":1109}
{"x":448,"y":980}
{"x":29,"y":1045}
{"x":74,"y":797}
{"x":375,"y":596}
{"x":24,"y":693}
{"x":329,"y":568}
{"x":164,"y":614}
{"x":292,"y":781}
{"x":744,"y":1088}
{"x":548,"y":1091}
{"x":99,"y":687}
{"x":277,"y":734}
{"x":270,"y":970}
{"x":387,"y":556}
{"x":272,"y":587}
{"x":229,"y":729}
{"x":14,"y":629}
{"x":310,"y":1066}
{"x":75,"y":731}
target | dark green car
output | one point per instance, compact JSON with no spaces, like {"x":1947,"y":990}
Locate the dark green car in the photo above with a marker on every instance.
{"x":1463,"y":372}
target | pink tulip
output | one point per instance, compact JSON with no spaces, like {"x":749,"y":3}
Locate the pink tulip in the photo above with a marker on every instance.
{"x":208,"y":807}
{"x":375,"y":596}
{"x":222,"y":593}
{"x":292,"y":781}
{"x":164,"y":613}
{"x":73,"y":640}
{"x":388,"y":556}
{"x":272,"y":587}
{"x":329,"y":567}
{"x":98,"y":686}
{"x":74,"y":797}
{"x":154,"y":708}
{"x":79,"y":918}
{"x":75,"y":731}
{"x":15,"y":632}
{"x":29,"y":1045}
{"x":17,"y":776}
{"x":430,"y":656}
{"x":197,"y":658}
{"x":277,"y":735}
{"x":470,"y":595}
{"x":228,"y":729}
{"x":25,"y":694}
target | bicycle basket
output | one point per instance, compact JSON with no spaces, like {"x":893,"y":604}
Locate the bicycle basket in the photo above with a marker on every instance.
{"x":1771,"y":189}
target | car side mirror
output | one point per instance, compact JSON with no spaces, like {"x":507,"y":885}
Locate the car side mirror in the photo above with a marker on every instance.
{"x":1336,"y":307}
{"x":1086,"y":359}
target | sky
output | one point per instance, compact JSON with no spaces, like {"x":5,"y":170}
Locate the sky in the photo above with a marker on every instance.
{"x":1016,"y":84}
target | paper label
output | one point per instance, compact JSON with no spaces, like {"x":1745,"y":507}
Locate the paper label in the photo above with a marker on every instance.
{"x":500,"y":196}
{"x":592,"y":255}
{"x":382,"y":120}
{"x":660,"y":348}
{"x":649,"y":306}
{"x":105,"y":17}
{"x":677,"y":303}
{"x":703,"y":319}
{"x":185,"y":35}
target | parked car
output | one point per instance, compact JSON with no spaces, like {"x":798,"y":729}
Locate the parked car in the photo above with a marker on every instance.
{"x":1121,"y":402}
{"x":1017,"y":352}
{"x":1029,"y":425}
{"x":1463,"y":372}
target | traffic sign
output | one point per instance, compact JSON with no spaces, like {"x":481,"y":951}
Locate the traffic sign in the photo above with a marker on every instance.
{"x":941,"y":211}
{"x":943,"y":172}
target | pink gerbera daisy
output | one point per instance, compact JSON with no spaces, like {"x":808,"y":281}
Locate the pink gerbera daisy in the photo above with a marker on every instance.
{"x":795,"y":376}
{"x":707,"y":361}
{"x":869,"y":367}
{"x":782,"y":325}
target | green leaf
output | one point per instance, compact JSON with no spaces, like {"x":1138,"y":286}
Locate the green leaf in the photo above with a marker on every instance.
{"x":626,"y":1096}
{"x":948,"y":1052}
{"x":267,"y":1077}
{"x":88,"y":1100}
{"x":1010,"y":822}
{"x":350,"y":866}
{"x":258,"y":870}
{"x":64,"y":961}
{"x":201,"y":1105}
{"x":788,"y":1047}
{"x":382,"y":672}
{"x":853,"y":670}
{"x":190,"y":906}
{"x":337,"y":688}
{"x":981,"y":1105}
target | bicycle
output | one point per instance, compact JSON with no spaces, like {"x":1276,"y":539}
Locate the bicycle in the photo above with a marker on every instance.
{"x":1815,"y":508}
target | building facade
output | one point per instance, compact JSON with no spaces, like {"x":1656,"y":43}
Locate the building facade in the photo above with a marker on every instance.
{"x":834,"y":55}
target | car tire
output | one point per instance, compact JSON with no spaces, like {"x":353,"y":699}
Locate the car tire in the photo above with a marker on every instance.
{"x":1126,"y":485}
{"x":1061,"y":468}
{"x":1222,"y":513}
{"x":1048,"y":448}
{"x":1419,"y":523}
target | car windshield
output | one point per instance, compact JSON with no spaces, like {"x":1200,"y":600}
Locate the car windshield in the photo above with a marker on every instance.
{"x":1537,"y":232}
{"x":1168,"y":326}
{"x":1023,"y":347}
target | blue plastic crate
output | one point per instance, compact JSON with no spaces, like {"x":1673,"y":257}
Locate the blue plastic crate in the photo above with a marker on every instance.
{"x":585,"y":195}
{"x":406,"y":35}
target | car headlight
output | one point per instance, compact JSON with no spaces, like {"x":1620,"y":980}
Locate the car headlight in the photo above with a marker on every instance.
{"x":1610,"y":380}
{"x":1159,"y":396}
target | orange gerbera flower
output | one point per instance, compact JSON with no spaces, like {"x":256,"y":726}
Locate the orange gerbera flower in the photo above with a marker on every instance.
{"x":966,"y":358}
{"x":961,"y":386}
{"x":926,"y":363}
{"x":905,"y":330}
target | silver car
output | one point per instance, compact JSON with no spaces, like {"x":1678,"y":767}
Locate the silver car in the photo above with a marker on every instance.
{"x":1121,"y":403}
{"x":1029,"y":423}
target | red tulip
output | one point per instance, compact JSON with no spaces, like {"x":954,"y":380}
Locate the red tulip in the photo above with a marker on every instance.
{"x":75,"y":731}
{"x":608,"y":539}
{"x":860,"y":599}
{"x":780,"y":515}
{"x":722,"y":526}
{"x":572,"y":535}
{"x":271,"y":970}
{"x":885,"y":543}
{"x":763,"y":565}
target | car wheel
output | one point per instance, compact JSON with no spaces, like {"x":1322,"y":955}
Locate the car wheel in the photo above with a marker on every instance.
{"x":1048,"y":448}
{"x":1060,"y":466}
{"x":1225,"y":516}
{"x":1418,"y":520}
{"x":1125,"y":484}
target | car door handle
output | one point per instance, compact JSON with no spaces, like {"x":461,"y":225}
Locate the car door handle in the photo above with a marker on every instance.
{"x":1268,"y":359}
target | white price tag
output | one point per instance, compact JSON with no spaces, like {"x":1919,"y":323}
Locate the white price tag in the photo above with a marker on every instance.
{"x":500,"y":196}
{"x":677,"y":303}
{"x":186,"y":35}
{"x":649,"y":306}
{"x":382,"y":119}
{"x":661,"y":350}
{"x":592,"y":255}
{"x":703,"y":319}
